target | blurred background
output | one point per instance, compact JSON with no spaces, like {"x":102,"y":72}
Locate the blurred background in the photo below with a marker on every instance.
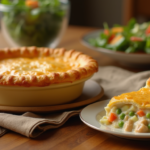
{"x":51,"y":23}
{"x":94,"y":12}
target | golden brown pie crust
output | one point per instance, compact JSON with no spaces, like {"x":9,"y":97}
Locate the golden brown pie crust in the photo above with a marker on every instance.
{"x":140,"y":98}
{"x":83,"y":66}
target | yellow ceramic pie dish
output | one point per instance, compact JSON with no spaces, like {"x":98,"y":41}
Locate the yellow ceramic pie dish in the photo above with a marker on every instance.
{"x":41,"y":96}
{"x":31,"y":76}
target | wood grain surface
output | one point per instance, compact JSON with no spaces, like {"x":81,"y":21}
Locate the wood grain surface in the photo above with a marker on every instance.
{"x":74,"y":134}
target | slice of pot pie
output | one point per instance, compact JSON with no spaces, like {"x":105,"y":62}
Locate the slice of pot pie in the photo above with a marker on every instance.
{"x":129,"y":111}
{"x":33,"y":66}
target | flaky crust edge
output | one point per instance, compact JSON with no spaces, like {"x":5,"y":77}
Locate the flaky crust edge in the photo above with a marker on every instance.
{"x":89,"y":68}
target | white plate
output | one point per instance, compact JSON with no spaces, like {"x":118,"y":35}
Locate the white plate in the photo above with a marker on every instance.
{"x":134,"y":58}
{"x":91,"y":115}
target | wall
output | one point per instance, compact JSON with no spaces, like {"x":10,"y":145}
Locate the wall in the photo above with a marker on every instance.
{"x":95,"y":12}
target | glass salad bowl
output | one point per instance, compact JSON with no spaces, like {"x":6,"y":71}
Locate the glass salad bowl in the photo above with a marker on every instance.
{"x":34,"y":22}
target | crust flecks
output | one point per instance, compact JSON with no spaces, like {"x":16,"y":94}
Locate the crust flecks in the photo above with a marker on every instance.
{"x":65,"y":76}
{"x":51,"y":51}
{"x":59,"y":52}
{"x":33,"y":78}
{"x":76,"y":55}
{"x":148,"y":83}
{"x":45,"y":52}
{"x":87,"y":66}
{"x":56,"y":77}
{"x":10,"y":80}
{"x":68,"y":54}
{"x":83,"y":72}
{"x":75,"y":75}
{"x":24,"y":52}
{"x":34,"y":51}
{"x":1,"y":76}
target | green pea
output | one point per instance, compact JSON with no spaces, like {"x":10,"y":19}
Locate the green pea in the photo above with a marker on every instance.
{"x":122,"y":116}
{"x":149,"y":125}
{"x":148,"y":115}
{"x":131,"y":113}
{"x":120,"y":124}
{"x":118,"y":111}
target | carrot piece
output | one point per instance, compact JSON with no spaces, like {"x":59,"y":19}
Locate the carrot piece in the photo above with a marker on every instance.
{"x":117,"y":30}
{"x":116,"y":39}
{"x":32,"y":3}
{"x":141,"y":113}
{"x":106,"y":32}
{"x":147,"y":32}
{"x":136,"y":39}
{"x":111,"y":38}
{"x":112,"y":117}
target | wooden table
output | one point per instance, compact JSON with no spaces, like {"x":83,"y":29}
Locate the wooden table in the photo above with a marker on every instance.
{"x":74,"y":134}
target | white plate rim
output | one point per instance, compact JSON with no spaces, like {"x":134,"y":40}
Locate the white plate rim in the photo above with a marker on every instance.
{"x":93,"y":109}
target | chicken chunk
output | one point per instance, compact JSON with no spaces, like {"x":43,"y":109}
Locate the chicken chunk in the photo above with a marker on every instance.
{"x":143,"y":121}
{"x":126,"y":118}
{"x":128,"y":126}
{"x":141,"y":128}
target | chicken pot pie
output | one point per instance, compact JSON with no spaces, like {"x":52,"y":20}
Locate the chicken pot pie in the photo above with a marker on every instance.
{"x":130,"y":111}
{"x":32,"y":66}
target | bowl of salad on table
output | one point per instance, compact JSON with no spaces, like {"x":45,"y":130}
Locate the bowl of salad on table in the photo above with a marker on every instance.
{"x":34,"y":22}
{"x":128,"y":44}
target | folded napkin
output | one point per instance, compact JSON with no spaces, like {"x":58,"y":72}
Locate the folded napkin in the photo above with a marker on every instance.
{"x":32,"y":125}
{"x":114,"y":80}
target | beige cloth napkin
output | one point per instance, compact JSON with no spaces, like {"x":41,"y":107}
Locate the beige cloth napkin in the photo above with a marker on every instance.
{"x":114,"y":80}
{"x":32,"y":125}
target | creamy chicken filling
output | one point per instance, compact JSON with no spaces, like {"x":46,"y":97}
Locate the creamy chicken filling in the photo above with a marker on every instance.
{"x":129,"y":118}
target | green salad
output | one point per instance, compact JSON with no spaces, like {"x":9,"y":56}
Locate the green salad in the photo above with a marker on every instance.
{"x":33,"y":22}
{"x":132,"y":38}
